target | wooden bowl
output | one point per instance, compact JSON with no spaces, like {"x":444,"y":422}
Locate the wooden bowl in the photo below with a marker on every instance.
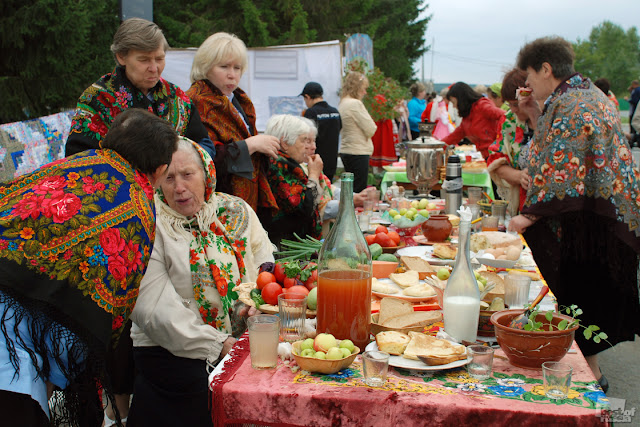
{"x":526,"y":349}
{"x":376,"y":328}
{"x":382,"y":269}
{"x":393,"y":249}
{"x":323,"y":366}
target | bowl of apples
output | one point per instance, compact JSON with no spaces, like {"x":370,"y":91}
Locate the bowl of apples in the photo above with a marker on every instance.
{"x":324,"y":354}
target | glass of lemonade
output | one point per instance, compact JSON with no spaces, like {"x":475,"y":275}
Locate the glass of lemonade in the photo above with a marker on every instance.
{"x":264,"y":334}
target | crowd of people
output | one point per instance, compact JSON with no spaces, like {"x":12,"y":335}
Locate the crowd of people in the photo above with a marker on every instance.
{"x":119,"y":261}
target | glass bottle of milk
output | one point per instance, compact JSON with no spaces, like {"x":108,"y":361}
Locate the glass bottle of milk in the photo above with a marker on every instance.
{"x":461,"y":296}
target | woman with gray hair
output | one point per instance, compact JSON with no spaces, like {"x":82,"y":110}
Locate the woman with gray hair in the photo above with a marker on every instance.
{"x":242,"y":156}
{"x":139,"y":49}
{"x":297,"y":192}
{"x":188,"y":315}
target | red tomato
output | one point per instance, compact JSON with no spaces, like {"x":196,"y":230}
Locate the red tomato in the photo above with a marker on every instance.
{"x":384,"y":240}
{"x":381,"y":229}
{"x":279,"y":273}
{"x":300,"y":290}
{"x":312,"y":281}
{"x":264,"y":278}
{"x":289,"y":282}
{"x":270,"y":293}
{"x":370,"y":238}
{"x":394,"y":236}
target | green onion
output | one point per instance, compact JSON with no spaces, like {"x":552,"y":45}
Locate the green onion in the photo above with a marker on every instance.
{"x":300,"y":249}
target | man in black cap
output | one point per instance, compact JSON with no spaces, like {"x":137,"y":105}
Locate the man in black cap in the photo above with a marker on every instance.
{"x":329,"y":124}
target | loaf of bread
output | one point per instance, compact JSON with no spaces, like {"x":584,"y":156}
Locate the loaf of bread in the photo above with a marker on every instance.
{"x":392,"y":342}
{"x":498,"y":290}
{"x":393,"y":307}
{"x":416,"y":263}
{"x":499,"y":239}
{"x":415,"y":318}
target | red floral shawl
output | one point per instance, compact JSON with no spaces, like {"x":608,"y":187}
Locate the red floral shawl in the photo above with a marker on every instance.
{"x":225,"y":126}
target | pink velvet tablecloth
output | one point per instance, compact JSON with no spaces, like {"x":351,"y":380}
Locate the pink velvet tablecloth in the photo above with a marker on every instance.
{"x":287,"y":396}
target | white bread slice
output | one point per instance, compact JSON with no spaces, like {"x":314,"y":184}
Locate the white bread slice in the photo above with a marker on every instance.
{"x":393,"y":307}
{"x":392,"y":342}
{"x":418,"y":264}
{"x":406,"y":279}
{"x":426,"y":345}
{"x":382,"y":287}
{"x":415,"y":318}
{"x":421,"y":290}
{"x":500,"y":239}
{"x":498,"y":290}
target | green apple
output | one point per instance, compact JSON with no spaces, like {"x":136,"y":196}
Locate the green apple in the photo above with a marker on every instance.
{"x":320,"y":355}
{"x":312,"y":299}
{"x":480,"y":285}
{"x":415,"y":204}
{"x":443,"y":273}
{"x":348,"y":344}
{"x":345,"y":352}
{"x":409,"y":215}
{"x":397,"y":217}
{"x":306,"y":344}
{"x":424,"y":213}
{"x":393,"y":213}
{"x":324,"y":342}
{"x":483,"y":280}
{"x":334,"y":353}
{"x":423,"y":203}
{"x":432,"y":205}
{"x":402,"y":211}
{"x":308,"y":352}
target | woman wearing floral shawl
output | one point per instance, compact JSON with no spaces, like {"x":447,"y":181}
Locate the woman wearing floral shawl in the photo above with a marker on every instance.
{"x":188,"y":313}
{"x":75,"y":239}
{"x":298,"y":192}
{"x":581,"y":216}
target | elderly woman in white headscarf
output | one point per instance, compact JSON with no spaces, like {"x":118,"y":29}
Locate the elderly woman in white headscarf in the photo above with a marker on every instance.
{"x":188,"y":315}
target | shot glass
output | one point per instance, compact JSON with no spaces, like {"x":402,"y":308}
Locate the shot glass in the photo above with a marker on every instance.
{"x":264,"y":334}
{"x":516,"y":290}
{"x":368,"y":205}
{"x":376,"y":365}
{"x":364,"y":220}
{"x":557,"y":379}
{"x":490,"y":223}
{"x":481,"y":364}
{"x":292,"y":309}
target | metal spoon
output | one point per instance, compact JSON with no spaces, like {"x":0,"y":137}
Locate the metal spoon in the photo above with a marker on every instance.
{"x":520,"y":321}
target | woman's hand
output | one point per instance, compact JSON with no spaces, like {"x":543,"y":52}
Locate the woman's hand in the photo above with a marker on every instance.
{"x":525,"y":179}
{"x":227,"y":345}
{"x":315,"y":164}
{"x":519,"y":223}
{"x":265,"y":144}
{"x":530,"y":107}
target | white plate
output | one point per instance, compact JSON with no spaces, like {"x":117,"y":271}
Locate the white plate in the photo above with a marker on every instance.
{"x":399,"y":293}
{"x":390,"y":168}
{"x":401,"y":362}
{"x":496,"y":263}
{"x":426,"y":253}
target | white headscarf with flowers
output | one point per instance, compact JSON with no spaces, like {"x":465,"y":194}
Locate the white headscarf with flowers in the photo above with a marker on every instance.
{"x":216,"y":246}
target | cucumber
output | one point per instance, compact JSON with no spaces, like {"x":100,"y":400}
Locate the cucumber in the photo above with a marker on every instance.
{"x":387,"y":257}
{"x":376,"y":250}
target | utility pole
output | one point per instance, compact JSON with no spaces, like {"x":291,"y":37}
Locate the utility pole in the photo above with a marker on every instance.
{"x":433,"y":43}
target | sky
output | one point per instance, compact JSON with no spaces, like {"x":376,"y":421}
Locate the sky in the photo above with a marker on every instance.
{"x":476,"y":41}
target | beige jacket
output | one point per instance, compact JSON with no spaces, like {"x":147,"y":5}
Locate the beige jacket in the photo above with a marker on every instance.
{"x":357,"y":127}
{"x":166,"y":312}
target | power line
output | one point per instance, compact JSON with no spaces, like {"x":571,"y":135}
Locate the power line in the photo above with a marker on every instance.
{"x":466,"y":59}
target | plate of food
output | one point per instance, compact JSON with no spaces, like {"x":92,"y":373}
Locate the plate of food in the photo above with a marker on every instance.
{"x":244,"y":295}
{"x":437,"y":254}
{"x":406,"y":286}
{"x":405,"y":349}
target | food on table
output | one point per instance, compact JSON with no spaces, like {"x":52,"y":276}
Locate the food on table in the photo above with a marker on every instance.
{"x":454,"y":220}
{"x":443,"y":273}
{"x":475,"y":166}
{"x":420,"y":290}
{"x":382,"y":287}
{"x":324,"y":342}
{"x":534,"y":276}
{"x":327,"y":347}
{"x":444,"y":251}
{"x":392,"y":307}
{"x":406,"y":279}
{"x":498,"y":290}
{"x":479,"y":242}
{"x":384,"y":240}
{"x":499,"y":239}
{"x":307,"y":344}
{"x":312,"y":299}
{"x":270,"y":293}
{"x":335,"y":353}
{"x":418,"y":264}
{"x":392,"y":342}
{"x":387,"y":258}
{"x":497,"y":304}
{"x":426,"y":345}
{"x":298,"y":290}
{"x":347,"y":344}
{"x":415,"y":318}
{"x":376,"y":250}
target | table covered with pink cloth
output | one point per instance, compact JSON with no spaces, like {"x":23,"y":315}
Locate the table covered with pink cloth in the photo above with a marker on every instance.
{"x":287,"y":396}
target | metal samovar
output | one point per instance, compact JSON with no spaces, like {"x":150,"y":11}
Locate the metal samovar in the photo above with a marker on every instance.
{"x":425,"y":158}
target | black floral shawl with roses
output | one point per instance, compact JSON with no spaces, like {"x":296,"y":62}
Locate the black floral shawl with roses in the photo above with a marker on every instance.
{"x":75,"y":241}
{"x":297,"y":208}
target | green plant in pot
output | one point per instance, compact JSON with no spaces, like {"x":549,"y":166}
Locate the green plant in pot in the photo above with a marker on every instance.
{"x":546,"y":337}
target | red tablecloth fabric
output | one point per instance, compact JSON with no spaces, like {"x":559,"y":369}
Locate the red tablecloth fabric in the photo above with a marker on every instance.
{"x":512,"y":397}
{"x":384,"y":149}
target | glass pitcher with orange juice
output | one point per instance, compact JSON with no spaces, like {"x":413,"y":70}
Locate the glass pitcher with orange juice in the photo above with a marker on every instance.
{"x":344,"y":275}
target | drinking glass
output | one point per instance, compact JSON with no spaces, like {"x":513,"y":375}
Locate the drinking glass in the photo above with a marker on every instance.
{"x":557,"y":379}
{"x":481,"y":363}
{"x":474,"y":195}
{"x":499,"y":210}
{"x":490,"y":223}
{"x":364,"y":220}
{"x":376,"y":365}
{"x":516,"y":290}
{"x":264,"y":333}
{"x":292,"y":309}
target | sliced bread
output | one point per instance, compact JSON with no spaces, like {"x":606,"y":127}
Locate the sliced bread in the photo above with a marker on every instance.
{"x":418,"y":264}
{"x":406,"y":279}
{"x":498,"y":290}
{"x":392,"y":342}
{"x":426,"y":345}
{"x":393,"y":307}
{"x":415,"y":318}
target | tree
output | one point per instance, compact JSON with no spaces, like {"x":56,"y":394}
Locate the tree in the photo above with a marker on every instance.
{"x":50,"y":55}
{"x":612,"y":53}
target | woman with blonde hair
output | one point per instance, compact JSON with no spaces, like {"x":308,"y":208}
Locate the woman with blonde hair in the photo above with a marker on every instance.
{"x":242,"y":156}
{"x":357,"y":129}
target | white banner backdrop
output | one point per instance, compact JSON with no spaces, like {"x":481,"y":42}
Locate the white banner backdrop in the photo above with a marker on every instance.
{"x":276,"y":75}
